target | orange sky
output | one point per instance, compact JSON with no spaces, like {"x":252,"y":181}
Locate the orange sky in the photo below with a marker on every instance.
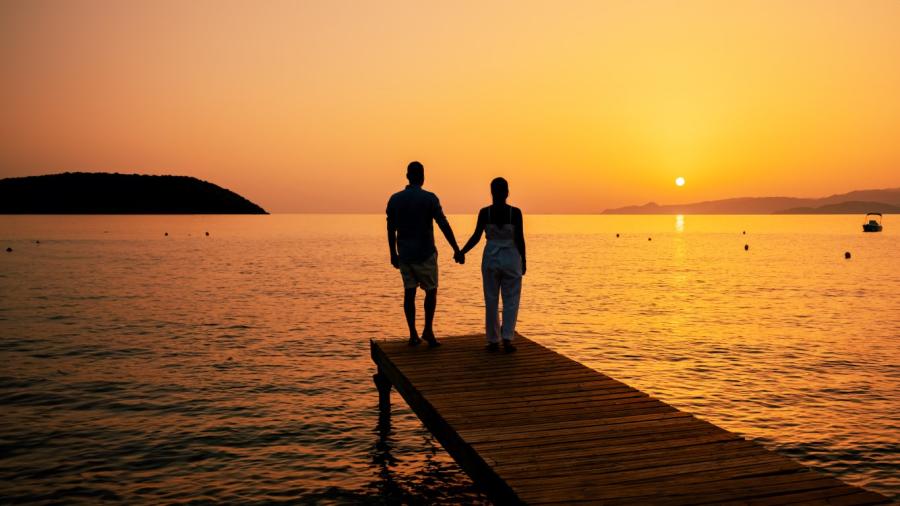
{"x":318,"y":106}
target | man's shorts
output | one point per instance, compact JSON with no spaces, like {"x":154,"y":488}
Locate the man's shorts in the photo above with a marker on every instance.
{"x":424,"y":274}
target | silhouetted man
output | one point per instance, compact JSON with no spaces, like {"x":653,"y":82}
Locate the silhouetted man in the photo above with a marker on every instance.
{"x":410,"y":214}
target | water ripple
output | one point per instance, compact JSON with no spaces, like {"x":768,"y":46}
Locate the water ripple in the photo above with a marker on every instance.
{"x":143,"y":370}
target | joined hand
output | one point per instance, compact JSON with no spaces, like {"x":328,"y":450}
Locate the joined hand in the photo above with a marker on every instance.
{"x":459,"y":257}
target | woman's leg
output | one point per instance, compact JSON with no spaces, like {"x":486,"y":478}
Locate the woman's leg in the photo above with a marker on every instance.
{"x":491,"y":283}
{"x":511,"y":289}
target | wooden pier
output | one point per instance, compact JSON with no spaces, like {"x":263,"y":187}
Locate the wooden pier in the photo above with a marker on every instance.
{"x":536,"y":427}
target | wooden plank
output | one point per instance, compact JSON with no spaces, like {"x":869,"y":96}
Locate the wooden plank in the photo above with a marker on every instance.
{"x":511,"y":435}
{"x":608,"y":453}
{"x":536,"y":385}
{"x":479,"y":358}
{"x":593,"y":384}
{"x":694,"y":472}
{"x":837,"y":494}
{"x":439,"y":374}
{"x":645,"y":460}
{"x":584,"y":403}
{"x":557,"y":439}
{"x":457,"y":402}
{"x":534,"y":401}
{"x":513,"y":462}
{"x":669,"y":493}
{"x":476,"y":433}
{"x":489,"y":379}
{"x":534,"y":426}
{"x":568,"y":449}
{"x":555,"y":415}
{"x":419,"y":354}
{"x":461,"y":422}
{"x":561,"y":399}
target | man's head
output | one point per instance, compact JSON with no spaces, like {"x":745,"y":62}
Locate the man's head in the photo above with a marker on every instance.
{"x":415,"y":173}
{"x":499,"y":189}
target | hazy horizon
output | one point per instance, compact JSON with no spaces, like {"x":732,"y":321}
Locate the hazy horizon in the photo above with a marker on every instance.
{"x":450,"y":210}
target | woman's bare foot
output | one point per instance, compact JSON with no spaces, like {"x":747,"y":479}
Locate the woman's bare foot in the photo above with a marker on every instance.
{"x":430,"y":339}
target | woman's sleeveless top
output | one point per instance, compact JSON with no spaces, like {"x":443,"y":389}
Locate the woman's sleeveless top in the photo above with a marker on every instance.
{"x":499,"y":237}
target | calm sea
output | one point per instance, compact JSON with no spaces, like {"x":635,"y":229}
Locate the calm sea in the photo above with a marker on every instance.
{"x":234,"y":367}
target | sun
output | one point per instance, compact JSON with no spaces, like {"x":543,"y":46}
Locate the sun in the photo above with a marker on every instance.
{"x":679,"y":181}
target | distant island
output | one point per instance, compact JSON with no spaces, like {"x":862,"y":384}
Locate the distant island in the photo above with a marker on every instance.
{"x":885,"y":201}
{"x":105,"y":193}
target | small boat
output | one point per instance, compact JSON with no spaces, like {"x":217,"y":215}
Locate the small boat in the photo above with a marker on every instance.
{"x":872,"y":225}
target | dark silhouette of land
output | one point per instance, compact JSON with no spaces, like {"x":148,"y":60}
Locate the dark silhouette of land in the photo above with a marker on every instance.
{"x":854,"y":207}
{"x":104,"y":193}
{"x":863,"y":201}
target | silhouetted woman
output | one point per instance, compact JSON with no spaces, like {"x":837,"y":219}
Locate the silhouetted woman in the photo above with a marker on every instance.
{"x":502,"y":265}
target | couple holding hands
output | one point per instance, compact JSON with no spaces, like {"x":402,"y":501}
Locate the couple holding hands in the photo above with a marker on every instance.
{"x":411,"y":214}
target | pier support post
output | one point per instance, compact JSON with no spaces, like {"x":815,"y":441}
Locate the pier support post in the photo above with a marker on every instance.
{"x":383,"y":384}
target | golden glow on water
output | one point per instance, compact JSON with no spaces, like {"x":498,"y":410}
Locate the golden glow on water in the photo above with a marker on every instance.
{"x":247,"y":350}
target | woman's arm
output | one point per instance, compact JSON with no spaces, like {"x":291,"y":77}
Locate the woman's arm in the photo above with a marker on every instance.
{"x":520,"y":236}
{"x":476,"y":236}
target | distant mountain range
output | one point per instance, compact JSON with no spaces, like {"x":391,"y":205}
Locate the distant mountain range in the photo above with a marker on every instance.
{"x":885,"y":201}
{"x":104,"y":193}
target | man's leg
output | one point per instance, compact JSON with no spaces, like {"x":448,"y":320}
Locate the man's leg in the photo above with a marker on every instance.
{"x":430,"y":306}
{"x":427,"y":274}
{"x":409,"y":308}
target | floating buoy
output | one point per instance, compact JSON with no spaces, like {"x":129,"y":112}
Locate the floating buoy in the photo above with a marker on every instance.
{"x":207,"y":234}
{"x":9,"y":250}
{"x":166,"y":234}
{"x":744,"y":232}
{"x":649,"y":238}
{"x":37,"y":242}
{"x":847,"y":255}
{"x":617,"y":235}
{"x":746,"y":247}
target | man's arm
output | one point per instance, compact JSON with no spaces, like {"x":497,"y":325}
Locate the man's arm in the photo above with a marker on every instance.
{"x":392,"y":238}
{"x":444,"y":225}
{"x":520,"y":237}
{"x":476,"y":236}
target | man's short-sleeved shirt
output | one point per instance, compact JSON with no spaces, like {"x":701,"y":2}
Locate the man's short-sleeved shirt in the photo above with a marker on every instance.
{"x":412,"y":213}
